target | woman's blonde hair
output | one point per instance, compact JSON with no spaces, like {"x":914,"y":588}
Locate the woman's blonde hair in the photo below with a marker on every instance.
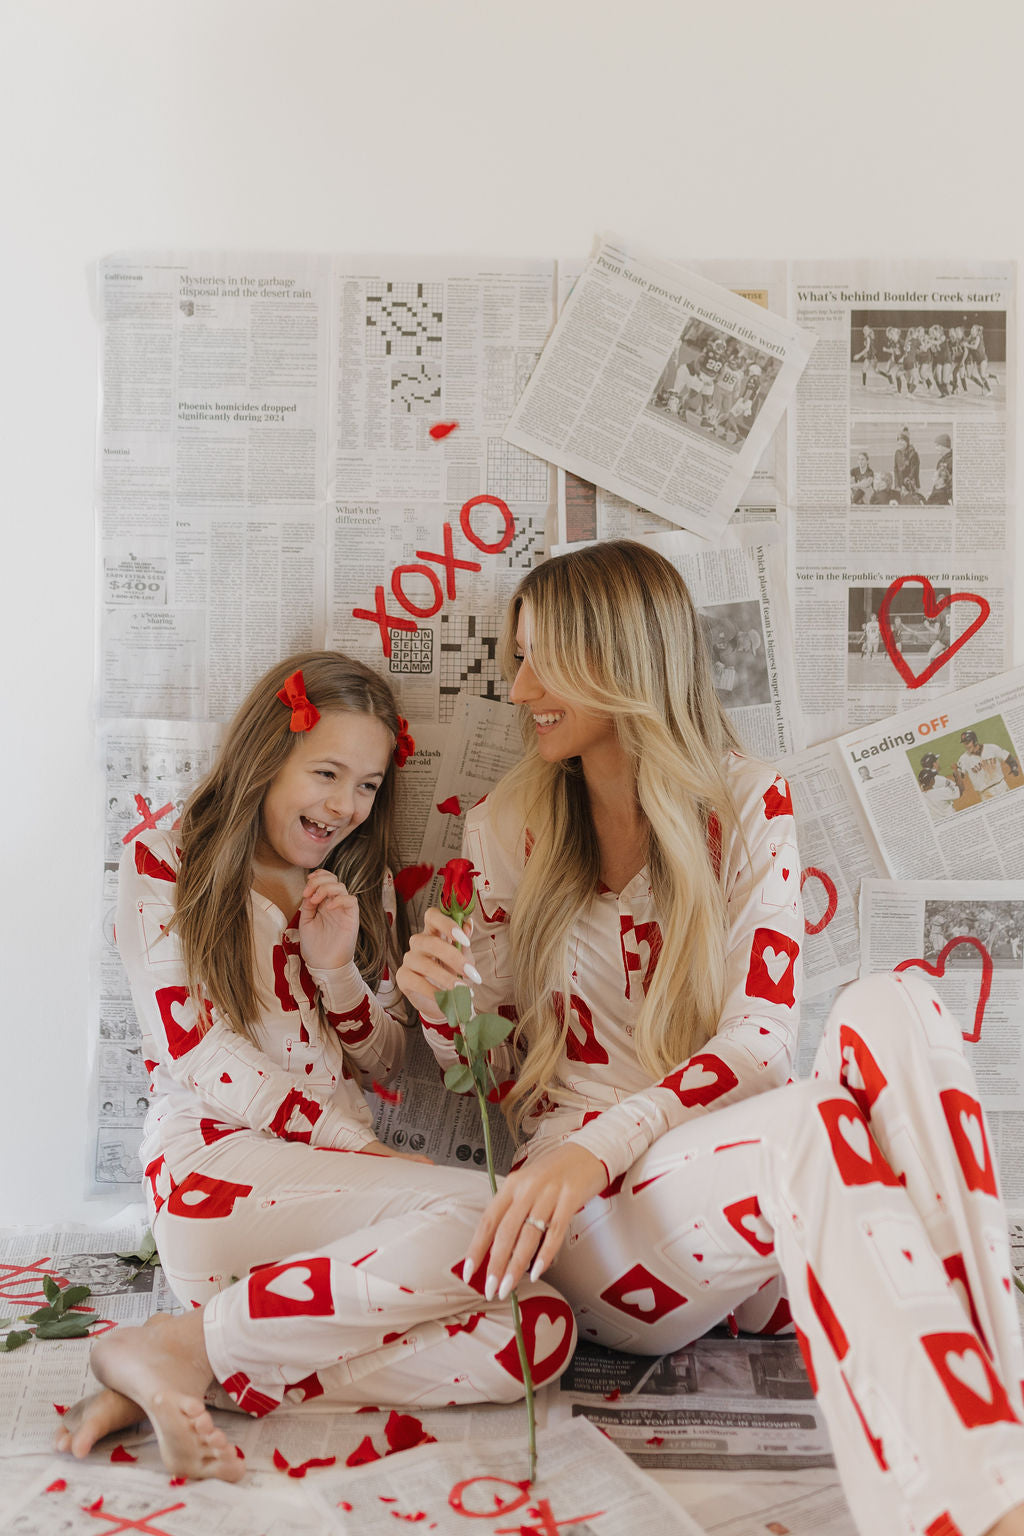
{"x":221,"y":824}
{"x":612,"y":631}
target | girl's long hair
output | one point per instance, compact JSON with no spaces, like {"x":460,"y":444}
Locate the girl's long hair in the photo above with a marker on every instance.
{"x":613,"y":632}
{"x":222,"y":821}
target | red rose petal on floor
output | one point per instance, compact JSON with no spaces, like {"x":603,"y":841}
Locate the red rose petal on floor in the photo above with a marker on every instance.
{"x":280,"y":1462}
{"x":412,"y":879}
{"x":91,"y":1509}
{"x":176,"y":1482}
{"x":404,"y":1432}
{"x":60,"y":1408}
{"x":365,"y":1451}
{"x":390,"y":1095}
{"x":451,"y":806}
{"x":369,"y":1407}
{"x":387,"y":1498}
{"x":442,"y":429}
{"x":344,"y":1504}
{"x":120,"y":1454}
{"x":656,"y":1440}
{"x":58,"y":1485}
{"x":613,"y":1397}
{"x":314,"y":1461}
{"x":239,"y":1453}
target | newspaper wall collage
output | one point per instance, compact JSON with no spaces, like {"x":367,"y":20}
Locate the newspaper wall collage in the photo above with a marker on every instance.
{"x":368,"y":454}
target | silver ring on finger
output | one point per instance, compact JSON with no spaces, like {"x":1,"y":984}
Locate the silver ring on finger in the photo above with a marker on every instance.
{"x":536,"y":1221}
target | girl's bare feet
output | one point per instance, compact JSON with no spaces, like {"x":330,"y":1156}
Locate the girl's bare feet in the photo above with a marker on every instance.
{"x":157,"y":1372}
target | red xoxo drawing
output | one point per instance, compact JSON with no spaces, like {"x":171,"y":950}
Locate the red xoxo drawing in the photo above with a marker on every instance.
{"x":931,"y":608}
{"x":939,"y":969}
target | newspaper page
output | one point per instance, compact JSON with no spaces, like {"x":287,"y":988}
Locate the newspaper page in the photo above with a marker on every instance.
{"x":940,"y":784}
{"x":870,"y":633}
{"x":966,"y":938}
{"x":210,"y":475}
{"x":419,"y":1114}
{"x":482,"y":743}
{"x":901,"y":441}
{"x":740,"y":593}
{"x":720,"y":1404}
{"x":46,"y":1372}
{"x":660,"y":386}
{"x":583,"y":1484}
{"x":837,"y":851}
{"x":777,"y":1509}
{"x":151,"y":766}
{"x":69,"y":1497}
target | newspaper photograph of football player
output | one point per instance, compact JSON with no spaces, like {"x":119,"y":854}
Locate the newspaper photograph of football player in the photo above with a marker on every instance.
{"x":714,"y":384}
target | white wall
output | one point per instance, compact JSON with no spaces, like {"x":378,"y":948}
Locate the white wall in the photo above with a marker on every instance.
{"x":794,"y":129}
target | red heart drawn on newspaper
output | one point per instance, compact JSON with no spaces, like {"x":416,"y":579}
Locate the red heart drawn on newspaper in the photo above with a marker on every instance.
{"x":939,"y":969}
{"x":932,"y":608}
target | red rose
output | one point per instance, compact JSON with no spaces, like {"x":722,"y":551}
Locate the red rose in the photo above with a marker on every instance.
{"x":457,"y":893}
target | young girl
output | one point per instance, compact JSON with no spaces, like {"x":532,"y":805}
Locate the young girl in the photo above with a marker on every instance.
{"x":258,"y":942}
{"x":639,"y":907}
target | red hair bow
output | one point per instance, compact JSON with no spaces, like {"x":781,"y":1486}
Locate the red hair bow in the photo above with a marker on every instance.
{"x":404,"y":744}
{"x":304,"y":714}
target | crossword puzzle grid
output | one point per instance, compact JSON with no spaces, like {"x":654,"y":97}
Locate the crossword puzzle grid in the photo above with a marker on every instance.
{"x":416,"y":388}
{"x":469,"y":661}
{"x":404,"y":319}
{"x":513,"y":474}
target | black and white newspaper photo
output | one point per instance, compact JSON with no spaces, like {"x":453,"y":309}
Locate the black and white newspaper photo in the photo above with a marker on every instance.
{"x":721,"y":1404}
{"x":871,"y":637}
{"x":660,"y":386}
{"x":941,"y":784}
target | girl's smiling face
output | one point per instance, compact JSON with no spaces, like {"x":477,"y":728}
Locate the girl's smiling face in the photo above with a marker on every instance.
{"x":325,"y":789}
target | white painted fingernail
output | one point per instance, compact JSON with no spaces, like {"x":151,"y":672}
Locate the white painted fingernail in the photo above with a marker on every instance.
{"x":473,"y":974}
{"x":491,"y":1288}
{"x":467,"y":1272}
{"x":460,"y":937}
{"x":537,"y":1270}
{"x":505,"y":1288}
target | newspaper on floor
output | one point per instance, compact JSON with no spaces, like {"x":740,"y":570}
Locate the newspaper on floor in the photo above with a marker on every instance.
{"x":837,"y":850}
{"x":740,"y":592}
{"x":940,"y":783}
{"x":210,"y":473}
{"x":875,"y":633}
{"x":72,"y":1498}
{"x":720,"y":1404}
{"x":44,"y":1375}
{"x":794,"y":1507}
{"x":660,"y":386}
{"x":586,"y":512}
{"x":901,"y":434}
{"x":966,"y":938}
{"x":583,"y":1484}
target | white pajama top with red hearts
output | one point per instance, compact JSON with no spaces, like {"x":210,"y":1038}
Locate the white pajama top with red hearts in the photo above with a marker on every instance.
{"x":207,"y":1078}
{"x":601,"y":1095}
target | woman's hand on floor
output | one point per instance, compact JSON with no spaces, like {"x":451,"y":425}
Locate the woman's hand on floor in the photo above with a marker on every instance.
{"x":550,"y":1189}
{"x":436,"y":961}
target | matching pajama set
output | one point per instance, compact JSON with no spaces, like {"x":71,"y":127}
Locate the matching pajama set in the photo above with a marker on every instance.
{"x":349,"y":1263}
{"x":859,"y":1207}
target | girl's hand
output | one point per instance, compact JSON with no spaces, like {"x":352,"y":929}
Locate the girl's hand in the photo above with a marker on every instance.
{"x":437,"y":959}
{"x":328,"y":922}
{"x":551,"y":1188}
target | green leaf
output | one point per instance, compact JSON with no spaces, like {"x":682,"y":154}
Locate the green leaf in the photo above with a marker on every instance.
{"x":145,"y":1253}
{"x":493,"y":1029}
{"x":446,"y":1001}
{"x":73,"y":1297}
{"x":471,"y":1032}
{"x":51,"y":1290}
{"x":43,"y":1315}
{"x":458,"y":1078}
{"x":463,"y":1005}
{"x":16,"y":1338}
{"x":66,"y":1328}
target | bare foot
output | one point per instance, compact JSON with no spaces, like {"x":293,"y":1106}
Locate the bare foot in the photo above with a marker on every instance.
{"x":157,"y":1372}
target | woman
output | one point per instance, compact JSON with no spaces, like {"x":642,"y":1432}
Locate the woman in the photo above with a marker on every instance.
{"x":639,"y":908}
{"x":259,"y":941}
